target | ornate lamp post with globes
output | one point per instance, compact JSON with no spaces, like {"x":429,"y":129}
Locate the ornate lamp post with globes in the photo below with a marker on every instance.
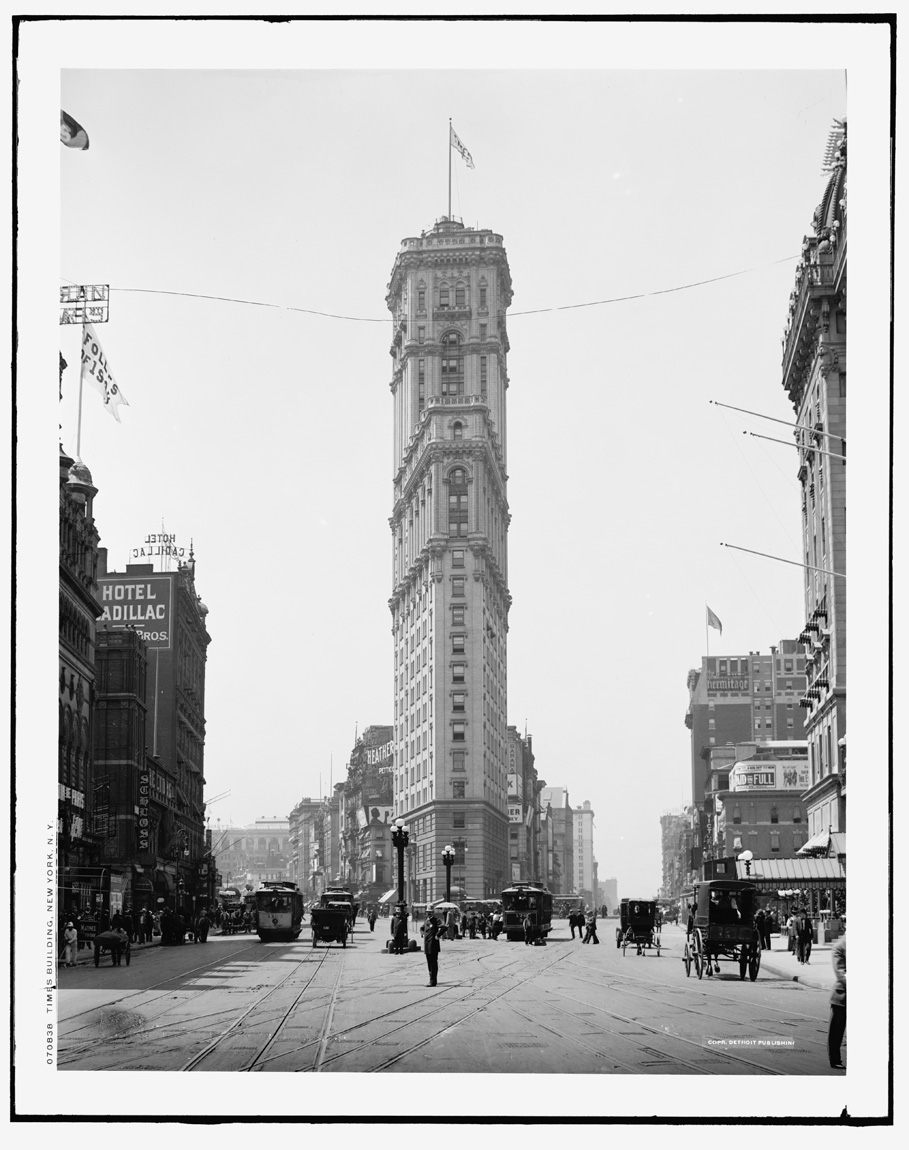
{"x":399,"y":839}
{"x":448,"y":855}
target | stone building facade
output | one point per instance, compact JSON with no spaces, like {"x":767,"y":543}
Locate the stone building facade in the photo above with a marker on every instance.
{"x":79,"y":870}
{"x":449,"y":291}
{"x":814,"y":377}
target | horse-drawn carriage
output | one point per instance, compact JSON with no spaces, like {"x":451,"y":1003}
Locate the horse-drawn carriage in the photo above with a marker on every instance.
{"x":721,"y":925}
{"x":639,"y":925}
{"x":331,"y":922}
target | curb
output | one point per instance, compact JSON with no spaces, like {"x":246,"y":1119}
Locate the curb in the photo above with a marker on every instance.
{"x":801,"y":978}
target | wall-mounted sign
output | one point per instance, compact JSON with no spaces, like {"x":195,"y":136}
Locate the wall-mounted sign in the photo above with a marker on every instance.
{"x":140,"y":602}
{"x":515,"y":786}
{"x":143,"y":824}
{"x":724,"y":683}
{"x":514,"y":813}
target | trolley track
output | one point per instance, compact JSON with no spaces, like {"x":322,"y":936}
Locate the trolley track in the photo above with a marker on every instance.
{"x":310,"y":959}
{"x":664,"y":1035}
{"x":446,"y":1004}
{"x":160,"y":1029}
{"x":655,"y":998}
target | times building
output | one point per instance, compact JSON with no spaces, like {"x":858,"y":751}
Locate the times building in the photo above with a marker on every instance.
{"x":448,"y":294}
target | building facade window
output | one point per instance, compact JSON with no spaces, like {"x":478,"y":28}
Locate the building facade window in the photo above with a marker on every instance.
{"x":775,"y":841}
{"x":482,"y":297}
{"x":458,"y":672}
{"x":457,"y":558}
{"x":457,"y":431}
{"x":421,"y":299}
{"x":460,"y":296}
{"x":457,"y":644}
{"x":452,"y":364}
{"x":458,"y":788}
{"x":457,"y":502}
{"x":457,"y":616}
{"x":458,"y":583}
{"x":443,"y":296}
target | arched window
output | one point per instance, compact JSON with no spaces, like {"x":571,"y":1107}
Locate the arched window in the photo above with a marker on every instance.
{"x":457,"y":502}
{"x":457,"y":431}
{"x":452,"y":364}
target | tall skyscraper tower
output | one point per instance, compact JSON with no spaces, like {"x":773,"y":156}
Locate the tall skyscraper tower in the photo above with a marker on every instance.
{"x":449,"y":291}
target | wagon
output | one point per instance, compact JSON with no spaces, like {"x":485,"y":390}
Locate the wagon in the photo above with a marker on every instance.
{"x":639,"y":925}
{"x":116,"y":945}
{"x":330,"y":923}
{"x":721,"y":925}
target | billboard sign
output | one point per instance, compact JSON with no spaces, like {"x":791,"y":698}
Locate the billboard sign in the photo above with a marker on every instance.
{"x":140,"y":602}
{"x":756,"y":776}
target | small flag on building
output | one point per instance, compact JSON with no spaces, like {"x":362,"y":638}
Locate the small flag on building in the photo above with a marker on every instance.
{"x":71,"y":133}
{"x":456,"y":143}
{"x":96,"y":371}
{"x":713,"y":621}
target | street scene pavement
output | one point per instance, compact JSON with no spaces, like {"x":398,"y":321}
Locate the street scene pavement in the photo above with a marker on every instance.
{"x":235,"y":1003}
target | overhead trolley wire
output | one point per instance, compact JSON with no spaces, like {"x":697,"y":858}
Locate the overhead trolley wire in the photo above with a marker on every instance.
{"x":510,"y":315}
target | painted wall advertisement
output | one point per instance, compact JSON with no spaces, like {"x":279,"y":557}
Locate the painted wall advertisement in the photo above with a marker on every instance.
{"x":141,"y":602}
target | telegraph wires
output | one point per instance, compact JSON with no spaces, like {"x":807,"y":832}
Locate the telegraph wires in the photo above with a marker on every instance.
{"x":510,"y":315}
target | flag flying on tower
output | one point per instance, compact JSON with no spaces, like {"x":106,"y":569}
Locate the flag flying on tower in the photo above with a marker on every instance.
{"x":713,"y":621}
{"x":71,"y":133}
{"x":96,"y":371}
{"x":456,"y":143}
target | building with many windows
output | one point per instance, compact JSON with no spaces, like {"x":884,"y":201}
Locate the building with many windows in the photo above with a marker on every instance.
{"x":524,"y":828}
{"x":449,"y":292}
{"x":79,"y":879}
{"x":737,"y":699}
{"x":163,"y":609}
{"x":585,"y":863}
{"x":814,"y":377}
{"x":561,"y":877}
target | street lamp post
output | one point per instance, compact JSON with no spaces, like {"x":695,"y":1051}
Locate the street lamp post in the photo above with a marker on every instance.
{"x":399,"y":840}
{"x":448,"y":855}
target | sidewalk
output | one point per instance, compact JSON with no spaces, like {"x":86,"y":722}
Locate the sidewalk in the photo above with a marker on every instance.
{"x":86,"y":956}
{"x":817,"y":972}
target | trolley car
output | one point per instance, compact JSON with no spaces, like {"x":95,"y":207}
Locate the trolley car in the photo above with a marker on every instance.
{"x":721,"y":925}
{"x":279,"y":911}
{"x":639,"y":925}
{"x":521,"y":899}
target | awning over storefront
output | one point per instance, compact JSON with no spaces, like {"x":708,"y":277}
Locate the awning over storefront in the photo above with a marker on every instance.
{"x":823,"y":873}
{"x":390,"y":895}
{"x":818,"y":845}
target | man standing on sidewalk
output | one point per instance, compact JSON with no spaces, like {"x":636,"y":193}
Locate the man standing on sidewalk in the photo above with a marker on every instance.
{"x":837,"y":1005}
{"x":432,"y":946}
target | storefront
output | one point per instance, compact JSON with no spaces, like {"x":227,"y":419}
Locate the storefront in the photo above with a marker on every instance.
{"x":816,"y":883}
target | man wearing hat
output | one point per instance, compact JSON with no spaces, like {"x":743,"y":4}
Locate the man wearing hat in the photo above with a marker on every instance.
{"x":432,"y":946}
{"x":70,"y":939}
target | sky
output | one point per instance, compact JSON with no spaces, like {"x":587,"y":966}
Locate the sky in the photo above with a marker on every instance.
{"x":278,"y":165}
{"x":263,"y":435}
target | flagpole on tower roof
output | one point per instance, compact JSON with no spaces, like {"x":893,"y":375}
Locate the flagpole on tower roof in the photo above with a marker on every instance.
{"x":449,"y":167}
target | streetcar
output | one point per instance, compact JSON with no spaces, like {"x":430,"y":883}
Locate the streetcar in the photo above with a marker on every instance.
{"x":721,"y":925}
{"x":569,"y":904}
{"x":521,"y":899}
{"x":279,"y":911}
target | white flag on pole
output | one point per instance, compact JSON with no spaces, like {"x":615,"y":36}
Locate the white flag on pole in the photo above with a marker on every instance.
{"x":95,"y":371}
{"x":456,"y":143}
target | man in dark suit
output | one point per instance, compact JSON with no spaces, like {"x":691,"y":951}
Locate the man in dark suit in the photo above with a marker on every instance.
{"x":431,"y":947}
{"x":837,"y":1005}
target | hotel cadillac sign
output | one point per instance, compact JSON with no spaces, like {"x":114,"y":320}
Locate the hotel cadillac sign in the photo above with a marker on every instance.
{"x":158,"y":546}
